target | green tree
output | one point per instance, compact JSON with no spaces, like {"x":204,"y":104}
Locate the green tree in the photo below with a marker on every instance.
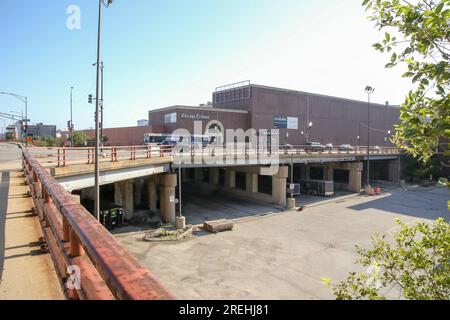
{"x":417,"y":35}
{"x":418,"y":265}
{"x":414,"y":169}
{"x":80,"y":138}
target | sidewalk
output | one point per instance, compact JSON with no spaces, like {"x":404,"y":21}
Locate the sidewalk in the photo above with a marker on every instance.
{"x":27,"y":273}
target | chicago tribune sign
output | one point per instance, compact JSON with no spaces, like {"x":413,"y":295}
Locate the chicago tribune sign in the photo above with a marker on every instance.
{"x":194,"y":116}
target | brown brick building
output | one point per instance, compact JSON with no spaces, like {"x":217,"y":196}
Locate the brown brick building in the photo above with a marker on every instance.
{"x":126,"y":136}
{"x":243,"y":106}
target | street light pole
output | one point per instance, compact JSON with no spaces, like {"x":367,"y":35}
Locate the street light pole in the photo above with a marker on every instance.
{"x":179,"y":190}
{"x":24,"y":100}
{"x":369,"y":91}
{"x":101,"y":111}
{"x":71,"y":118}
{"x":97,"y":168}
{"x":97,"y":107}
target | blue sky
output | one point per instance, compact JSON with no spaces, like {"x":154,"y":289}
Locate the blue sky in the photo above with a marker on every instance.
{"x":162,"y":53}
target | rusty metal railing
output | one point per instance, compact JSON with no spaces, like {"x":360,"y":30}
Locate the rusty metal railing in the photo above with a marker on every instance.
{"x":61,"y":157}
{"x":75,"y":238}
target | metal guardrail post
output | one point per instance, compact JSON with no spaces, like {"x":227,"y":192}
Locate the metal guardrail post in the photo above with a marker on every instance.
{"x":64,"y":157}
{"x":76,"y":249}
{"x":66,"y":231}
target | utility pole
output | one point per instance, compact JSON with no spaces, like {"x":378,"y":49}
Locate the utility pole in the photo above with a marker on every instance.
{"x":97,"y":107}
{"x":179,"y":189}
{"x":101,"y":104}
{"x":103,"y":101}
{"x":97,"y":168}
{"x":26,"y":121}
{"x":71,"y":119}
{"x":369,"y":91}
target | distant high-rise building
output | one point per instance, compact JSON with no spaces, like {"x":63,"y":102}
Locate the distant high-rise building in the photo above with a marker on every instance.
{"x":142,"y":123}
{"x":42,"y":131}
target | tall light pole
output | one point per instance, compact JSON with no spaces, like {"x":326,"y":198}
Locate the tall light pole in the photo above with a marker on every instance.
{"x":24,"y":99}
{"x":106,"y":3}
{"x":102,"y":102}
{"x":71,"y":118}
{"x":369,"y":91}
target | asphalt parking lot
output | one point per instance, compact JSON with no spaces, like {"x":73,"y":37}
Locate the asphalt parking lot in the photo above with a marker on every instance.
{"x":284,"y":256}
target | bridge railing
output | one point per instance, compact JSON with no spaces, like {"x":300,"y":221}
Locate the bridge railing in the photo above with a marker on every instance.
{"x":61,"y":157}
{"x":86,"y":256}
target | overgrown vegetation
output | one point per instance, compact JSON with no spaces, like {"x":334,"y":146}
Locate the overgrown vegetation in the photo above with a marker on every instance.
{"x":417,"y":36}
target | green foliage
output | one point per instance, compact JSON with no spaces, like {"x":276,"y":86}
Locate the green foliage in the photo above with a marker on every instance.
{"x":417,"y":35}
{"x":414,"y":169}
{"x":80,"y":139}
{"x":418,"y":264}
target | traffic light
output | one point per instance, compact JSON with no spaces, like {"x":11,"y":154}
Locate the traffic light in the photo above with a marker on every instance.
{"x":90,"y":98}
{"x":68,"y":125}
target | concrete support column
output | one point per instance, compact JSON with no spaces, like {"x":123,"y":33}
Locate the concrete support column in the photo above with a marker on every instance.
{"x":355,"y":177}
{"x":167,"y":199}
{"x":251,"y":182}
{"x":128,"y":198}
{"x":230,"y":179}
{"x":118,"y":193}
{"x":279,"y":186}
{"x":328,"y":173}
{"x":152,"y":196}
{"x":307,"y":171}
{"x":214,"y":176}
{"x":394,"y":171}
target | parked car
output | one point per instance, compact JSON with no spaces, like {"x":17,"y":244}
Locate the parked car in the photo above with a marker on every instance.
{"x":329,"y":147}
{"x":375,"y":149}
{"x":346,"y":147}
{"x":314,"y":147}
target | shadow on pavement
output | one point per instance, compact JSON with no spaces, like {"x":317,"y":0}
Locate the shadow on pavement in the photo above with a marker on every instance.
{"x":425,"y":203}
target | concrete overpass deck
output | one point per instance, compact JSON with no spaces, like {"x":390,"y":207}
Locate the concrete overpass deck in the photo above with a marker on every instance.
{"x":73,"y":167}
